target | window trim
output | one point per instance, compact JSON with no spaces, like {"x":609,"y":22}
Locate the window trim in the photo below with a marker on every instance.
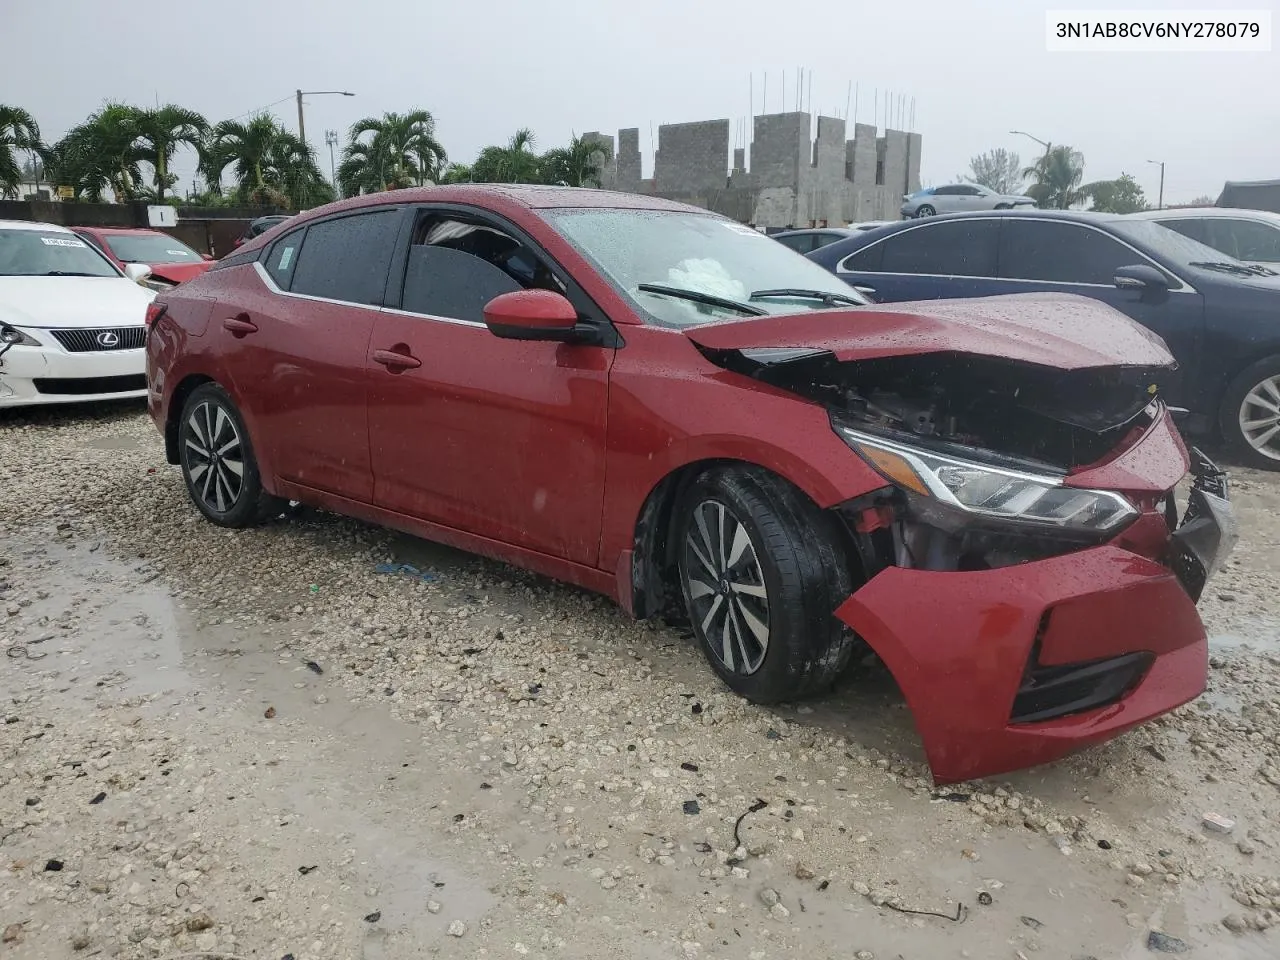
{"x":1184,"y":285}
{"x":393,"y":300}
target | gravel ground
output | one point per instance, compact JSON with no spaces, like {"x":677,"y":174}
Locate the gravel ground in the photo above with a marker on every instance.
{"x":253,"y":744}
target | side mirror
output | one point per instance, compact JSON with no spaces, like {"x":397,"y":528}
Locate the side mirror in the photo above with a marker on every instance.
{"x":137,"y":272}
{"x":531,"y":315}
{"x":1140,"y":276}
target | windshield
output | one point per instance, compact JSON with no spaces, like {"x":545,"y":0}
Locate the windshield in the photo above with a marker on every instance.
{"x":150,"y":248}
{"x":1180,"y":250}
{"x":50,"y":253}
{"x":651,"y":256}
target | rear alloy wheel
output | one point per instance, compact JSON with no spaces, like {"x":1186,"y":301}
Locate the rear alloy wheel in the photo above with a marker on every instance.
{"x":218,"y":463}
{"x":924,"y":210}
{"x":1250,"y":418}
{"x":761,"y":570}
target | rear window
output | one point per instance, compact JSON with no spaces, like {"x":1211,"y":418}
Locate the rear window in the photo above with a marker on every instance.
{"x":150,"y":248}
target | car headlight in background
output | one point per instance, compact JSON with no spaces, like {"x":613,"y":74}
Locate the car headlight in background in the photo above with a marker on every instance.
{"x":989,"y":491}
{"x":12,"y":336}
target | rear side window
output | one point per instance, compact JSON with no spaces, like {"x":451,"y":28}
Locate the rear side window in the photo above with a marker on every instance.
{"x":1057,"y":252}
{"x":866,"y":260}
{"x":1195,"y":229}
{"x":282,"y":257}
{"x":800,"y":243}
{"x":346,"y":259}
{"x":960,"y":248}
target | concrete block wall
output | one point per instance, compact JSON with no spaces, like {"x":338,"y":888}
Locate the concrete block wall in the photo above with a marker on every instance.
{"x":627,"y":167}
{"x":794,"y":179}
{"x":692,"y":157}
{"x":862,"y":155}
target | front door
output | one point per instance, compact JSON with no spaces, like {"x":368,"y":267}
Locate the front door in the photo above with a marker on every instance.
{"x":500,"y":438}
{"x":1059,"y":256}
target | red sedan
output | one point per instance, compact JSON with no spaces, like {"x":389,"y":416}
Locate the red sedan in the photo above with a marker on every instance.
{"x":171,"y":261}
{"x":667,"y":407}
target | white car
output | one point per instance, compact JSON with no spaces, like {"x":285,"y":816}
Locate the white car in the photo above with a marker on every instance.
{"x":1249,"y":235}
{"x":72,"y":325}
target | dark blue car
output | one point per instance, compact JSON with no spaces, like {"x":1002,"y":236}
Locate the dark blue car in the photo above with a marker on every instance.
{"x":1219,"y":317}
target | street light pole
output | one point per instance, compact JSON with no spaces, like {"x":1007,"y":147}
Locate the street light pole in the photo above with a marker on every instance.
{"x":1160,"y":202}
{"x":1023,"y":133}
{"x":331,"y":138}
{"x":302,"y":125}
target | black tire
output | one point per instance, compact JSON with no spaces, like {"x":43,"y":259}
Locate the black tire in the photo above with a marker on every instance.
{"x":1233,"y":411}
{"x":800,"y":567}
{"x":211,"y":481}
{"x":925,"y":210}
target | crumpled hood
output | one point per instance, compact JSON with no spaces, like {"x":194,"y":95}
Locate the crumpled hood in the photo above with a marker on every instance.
{"x":1063,"y":331}
{"x":45,"y":302}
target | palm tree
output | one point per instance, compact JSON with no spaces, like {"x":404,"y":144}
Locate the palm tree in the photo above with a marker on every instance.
{"x":271,"y":166}
{"x":101,"y":152}
{"x":457,"y":173}
{"x":402,"y":151}
{"x":18,"y":131}
{"x":514,"y":163}
{"x":160,"y":132}
{"x":1058,"y":175}
{"x":575,"y":165}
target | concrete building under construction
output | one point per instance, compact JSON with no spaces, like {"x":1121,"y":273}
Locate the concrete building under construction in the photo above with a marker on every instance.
{"x":793,"y":178}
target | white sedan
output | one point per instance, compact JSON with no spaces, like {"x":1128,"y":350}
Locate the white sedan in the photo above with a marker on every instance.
{"x":72,"y":325}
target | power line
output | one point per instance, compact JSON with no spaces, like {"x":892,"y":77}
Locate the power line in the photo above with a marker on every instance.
{"x":249,"y":113}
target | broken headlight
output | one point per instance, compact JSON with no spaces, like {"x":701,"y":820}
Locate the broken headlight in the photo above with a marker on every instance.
{"x":13,"y":336}
{"x":989,"y":491}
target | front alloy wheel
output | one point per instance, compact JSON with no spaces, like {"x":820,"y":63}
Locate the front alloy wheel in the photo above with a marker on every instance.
{"x":1259,"y":417}
{"x":725,"y":587}
{"x":760,"y":569}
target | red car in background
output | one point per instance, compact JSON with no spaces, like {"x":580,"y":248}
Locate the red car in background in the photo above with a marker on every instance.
{"x":657,"y":403}
{"x":171,"y":261}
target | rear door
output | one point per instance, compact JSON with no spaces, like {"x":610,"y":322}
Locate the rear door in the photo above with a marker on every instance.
{"x":1065,"y":257}
{"x":503,"y":439}
{"x":936,"y":259}
{"x":296,"y":350}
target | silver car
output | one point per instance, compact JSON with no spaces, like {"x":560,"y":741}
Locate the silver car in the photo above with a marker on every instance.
{"x":1249,"y":235}
{"x":960,"y":198}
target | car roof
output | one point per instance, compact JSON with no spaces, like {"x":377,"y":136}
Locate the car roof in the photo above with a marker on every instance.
{"x":1184,"y":213}
{"x":847,"y":231}
{"x":32,"y":225}
{"x":124,"y":231}
{"x":496,"y":197}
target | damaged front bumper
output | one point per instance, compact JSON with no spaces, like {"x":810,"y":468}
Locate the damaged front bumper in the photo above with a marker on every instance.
{"x":1011,"y":667}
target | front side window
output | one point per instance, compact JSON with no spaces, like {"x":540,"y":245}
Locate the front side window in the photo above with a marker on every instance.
{"x":699,"y":254}
{"x":50,"y":253}
{"x":150,"y":248}
{"x":348,"y":258}
{"x":958,"y":248}
{"x":457,"y":266}
{"x":1246,"y":239}
{"x":1059,"y":252}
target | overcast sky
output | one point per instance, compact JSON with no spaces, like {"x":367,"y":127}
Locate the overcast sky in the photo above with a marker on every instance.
{"x":976,"y":71}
